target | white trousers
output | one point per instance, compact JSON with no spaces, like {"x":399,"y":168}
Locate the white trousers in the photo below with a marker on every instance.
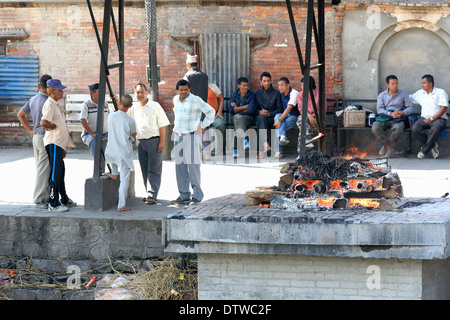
{"x":41,"y":188}
{"x":124,"y":183}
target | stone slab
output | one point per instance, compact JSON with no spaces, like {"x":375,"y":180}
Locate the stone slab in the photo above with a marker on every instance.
{"x":83,"y":234}
{"x":225,"y":225}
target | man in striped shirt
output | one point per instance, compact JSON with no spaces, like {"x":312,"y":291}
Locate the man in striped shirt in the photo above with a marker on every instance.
{"x":187,"y":133}
{"x":88,"y":119}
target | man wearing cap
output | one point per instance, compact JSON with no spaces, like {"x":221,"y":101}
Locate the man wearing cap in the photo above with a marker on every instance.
{"x":56,"y":140}
{"x":151,"y":123}
{"x":88,"y":119}
{"x":34,"y":108}
{"x":198,"y":80}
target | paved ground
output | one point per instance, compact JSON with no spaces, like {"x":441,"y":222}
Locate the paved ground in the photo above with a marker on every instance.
{"x":420,"y":178}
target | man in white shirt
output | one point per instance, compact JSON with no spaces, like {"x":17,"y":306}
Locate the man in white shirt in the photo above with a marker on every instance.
{"x":151,"y":122}
{"x":187,"y":133}
{"x":288,"y":119}
{"x":434,"y":103}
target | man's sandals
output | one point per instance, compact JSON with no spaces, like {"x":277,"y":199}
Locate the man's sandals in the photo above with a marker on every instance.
{"x":149,"y":200}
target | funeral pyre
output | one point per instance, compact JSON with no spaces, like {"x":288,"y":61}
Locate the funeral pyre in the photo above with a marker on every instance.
{"x":320,"y":181}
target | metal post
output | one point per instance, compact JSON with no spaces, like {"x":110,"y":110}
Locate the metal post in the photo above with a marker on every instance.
{"x":319,"y":34}
{"x":321,"y":54}
{"x":306,"y":73}
{"x":102,"y":87}
{"x":150,"y":7}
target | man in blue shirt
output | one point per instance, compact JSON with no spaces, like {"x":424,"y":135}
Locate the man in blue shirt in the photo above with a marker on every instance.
{"x":243,"y":108}
{"x":394,"y":106}
{"x":34,"y":108}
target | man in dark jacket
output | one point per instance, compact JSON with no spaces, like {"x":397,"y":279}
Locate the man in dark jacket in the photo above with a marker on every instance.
{"x":268,"y":104}
{"x":198,"y":80}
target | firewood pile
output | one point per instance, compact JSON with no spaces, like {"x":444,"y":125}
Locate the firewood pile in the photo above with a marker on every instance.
{"x":318,"y":180}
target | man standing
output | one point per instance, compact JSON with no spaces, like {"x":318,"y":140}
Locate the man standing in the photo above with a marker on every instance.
{"x":187,"y":133}
{"x":215,"y":100}
{"x":56,"y":140}
{"x":119,"y":151}
{"x":434,"y":103}
{"x":393,"y":109}
{"x":288,"y":119}
{"x":268,"y":105}
{"x":151,"y":122}
{"x":88,"y":119}
{"x":243,"y":108}
{"x":34,"y":107}
{"x":198,"y":80}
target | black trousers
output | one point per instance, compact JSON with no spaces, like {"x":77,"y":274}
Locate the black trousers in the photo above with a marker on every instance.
{"x":428,"y":139}
{"x":57,"y":173}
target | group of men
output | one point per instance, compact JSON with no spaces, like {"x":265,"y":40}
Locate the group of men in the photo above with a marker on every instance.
{"x":51,"y":138}
{"x":198,"y":106}
{"x":269,"y":108}
{"x":394,"y":106}
{"x":144,"y":120}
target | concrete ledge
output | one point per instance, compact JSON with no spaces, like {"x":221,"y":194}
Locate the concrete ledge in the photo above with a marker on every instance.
{"x":225,"y":225}
{"x":27,"y":231}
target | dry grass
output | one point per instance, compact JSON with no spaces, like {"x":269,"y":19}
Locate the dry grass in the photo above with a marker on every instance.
{"x":167,"y":279}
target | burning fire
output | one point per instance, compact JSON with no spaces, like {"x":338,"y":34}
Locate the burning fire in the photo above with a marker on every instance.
{"x":368,"y":203}
{"x":341,"y":182}
{"x":353,"y":152}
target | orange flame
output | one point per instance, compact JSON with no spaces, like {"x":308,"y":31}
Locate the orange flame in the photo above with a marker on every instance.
{"x":325,"y":202}
{"x":368,"y":203}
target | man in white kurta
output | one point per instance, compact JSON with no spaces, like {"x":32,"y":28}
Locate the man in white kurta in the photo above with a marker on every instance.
{"x":119,"y":150}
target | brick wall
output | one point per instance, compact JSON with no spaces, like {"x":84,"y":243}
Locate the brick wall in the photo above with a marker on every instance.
{"x":270,"y":20}
{"x":291,"y":277}
{"x":62,"y":36}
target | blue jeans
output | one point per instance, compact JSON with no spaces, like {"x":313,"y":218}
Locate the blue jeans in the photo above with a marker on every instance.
{"x":288,"y":123}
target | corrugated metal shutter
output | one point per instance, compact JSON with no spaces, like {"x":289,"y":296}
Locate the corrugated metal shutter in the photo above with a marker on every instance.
{"x":19,"y":76}
{"x":226,"y":57}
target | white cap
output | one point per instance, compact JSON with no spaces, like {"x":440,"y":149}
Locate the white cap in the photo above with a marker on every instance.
{"x":191,"y":59}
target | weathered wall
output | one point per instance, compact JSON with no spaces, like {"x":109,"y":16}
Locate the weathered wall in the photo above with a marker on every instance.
{"x":290,"y":277}
{"x":408,"y":40}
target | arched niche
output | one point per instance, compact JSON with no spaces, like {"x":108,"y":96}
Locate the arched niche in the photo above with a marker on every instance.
{"x":409,"y":50}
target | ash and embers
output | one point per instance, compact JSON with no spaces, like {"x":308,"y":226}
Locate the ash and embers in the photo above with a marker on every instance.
{"x":320,"y":181}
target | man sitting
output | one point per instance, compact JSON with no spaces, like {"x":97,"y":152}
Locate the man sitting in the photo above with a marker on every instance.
{"x":393,"y":109}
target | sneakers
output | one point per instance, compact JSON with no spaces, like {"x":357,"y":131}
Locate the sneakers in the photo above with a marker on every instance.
{"x":420,"y":155}
{"x":389,"y":153}
{"x":180,"y":201}
{"x":235,"y":154}
{"x":70,"y":203}
{"x":206,"y":157}
{"x":246,"y":145}
{"x":194,"y":201}
{"x":278,"y":155}
{"x":43,"y":204}
{"x":435,"y":151}
{"x":60,"y":208}
{"x":283,"y":140}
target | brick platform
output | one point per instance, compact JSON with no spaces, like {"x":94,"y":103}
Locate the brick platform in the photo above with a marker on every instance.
{"x":261,"y":253}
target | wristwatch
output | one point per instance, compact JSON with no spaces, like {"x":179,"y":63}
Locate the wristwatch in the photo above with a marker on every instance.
{"x":431,"y":118}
